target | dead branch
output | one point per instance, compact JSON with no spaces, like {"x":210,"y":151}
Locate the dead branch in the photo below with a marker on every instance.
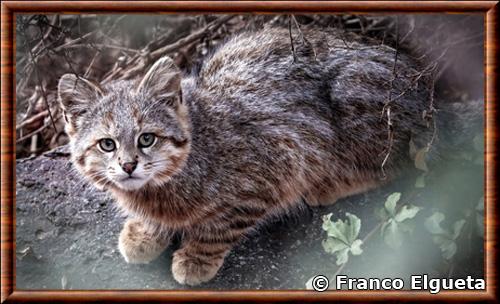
{"x":103,"y":46}
{"x":390,"y":138}
{"x":305,"y":41}
{"x":51,"y":27}
{"x":32,"y":119}
{"x":139,"y":62}
{"x":44,"y":94}
{"x":37,"y":131}
{"x":291,"y":39}
{"x":387,"y":106}
{"x":89,"y":46}
{"x":429,"y":115}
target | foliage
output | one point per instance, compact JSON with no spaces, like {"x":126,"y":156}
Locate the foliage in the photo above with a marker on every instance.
{"x":396,"y":222}
{"x":444,"y":238}
{"x":342,"y":237}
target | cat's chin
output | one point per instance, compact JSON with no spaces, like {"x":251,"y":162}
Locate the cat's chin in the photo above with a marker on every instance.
{"x":129,"y":184}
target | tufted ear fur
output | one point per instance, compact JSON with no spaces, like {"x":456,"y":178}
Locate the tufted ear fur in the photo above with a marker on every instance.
{"x":162,"y":82}
{"x":75,"y":94}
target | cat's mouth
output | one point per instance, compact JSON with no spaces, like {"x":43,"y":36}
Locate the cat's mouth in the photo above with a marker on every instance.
{"x":131,"y":182}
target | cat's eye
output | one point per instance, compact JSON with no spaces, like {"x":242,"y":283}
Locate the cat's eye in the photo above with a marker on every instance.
{"x":146,"y":140}
{"x":107,"y":144}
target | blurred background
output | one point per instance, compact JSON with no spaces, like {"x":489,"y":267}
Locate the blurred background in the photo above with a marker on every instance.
{"x":67,"y":231}
{"x":109,"y":47}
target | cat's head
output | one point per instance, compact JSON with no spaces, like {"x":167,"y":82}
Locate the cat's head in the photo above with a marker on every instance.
{"x":127,"y":134}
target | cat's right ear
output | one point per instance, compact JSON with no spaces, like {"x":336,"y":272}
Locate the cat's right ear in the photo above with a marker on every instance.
{"x":162,"y":81}
{"x":75,"y":94}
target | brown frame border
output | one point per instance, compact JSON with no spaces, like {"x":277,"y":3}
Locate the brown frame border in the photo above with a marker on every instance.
{"x":9,"y":8}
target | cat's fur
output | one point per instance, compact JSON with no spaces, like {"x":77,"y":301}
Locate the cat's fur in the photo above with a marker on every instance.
{"x":246,"y":138}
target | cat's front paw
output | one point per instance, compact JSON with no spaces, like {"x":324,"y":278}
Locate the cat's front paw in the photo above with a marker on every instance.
{"x":138,"y":245}
{"x":192,"y":270}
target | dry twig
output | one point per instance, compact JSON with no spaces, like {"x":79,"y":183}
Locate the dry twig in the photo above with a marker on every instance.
{"x":139,"y":63}
{"x":387,"y":106}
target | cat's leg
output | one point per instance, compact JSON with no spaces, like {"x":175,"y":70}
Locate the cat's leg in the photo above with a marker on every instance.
{"x":197,"y":262}
{"x":202,"y":255}
{"x":140,"y":243}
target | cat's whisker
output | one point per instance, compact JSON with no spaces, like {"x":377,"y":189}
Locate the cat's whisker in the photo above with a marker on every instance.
{"x":158,"y":161}
{"x":88,"y":180}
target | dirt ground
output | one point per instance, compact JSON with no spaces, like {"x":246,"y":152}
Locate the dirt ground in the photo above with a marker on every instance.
{"x":67,"y":238}
{"x":67,"y":232}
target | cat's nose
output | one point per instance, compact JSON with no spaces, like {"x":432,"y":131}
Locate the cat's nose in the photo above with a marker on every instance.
{"x":129,"y":167}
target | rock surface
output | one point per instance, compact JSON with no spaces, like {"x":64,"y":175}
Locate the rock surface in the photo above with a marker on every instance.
{"x":67,"y":233}
{"x":67,"y":238}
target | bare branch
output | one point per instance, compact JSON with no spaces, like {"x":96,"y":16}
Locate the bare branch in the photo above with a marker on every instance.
{"x":387,"y":106}
{"x":138,"y":63}
{"x":32,"y":119}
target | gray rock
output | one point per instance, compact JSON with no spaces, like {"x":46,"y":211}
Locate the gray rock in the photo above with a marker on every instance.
{"x":67,"y":234}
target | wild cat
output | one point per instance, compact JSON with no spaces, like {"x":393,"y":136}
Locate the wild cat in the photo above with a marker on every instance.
{"x":256,"y":131}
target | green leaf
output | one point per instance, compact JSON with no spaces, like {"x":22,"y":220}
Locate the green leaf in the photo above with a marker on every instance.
{"x":339,"y":231}
{"x":381,"y":213}
{"x":433,"y":223}
{"x":420,"y":159}
{"x":356,"y":247}
{"x":413,"y":149}
{"x":331,"y":245}
{"x":448,"y":247}
{"x":406,"y":226}
{"x":309,"y":284}
{"x":326,"y":222}
{"x":342,"y":237}
{"x":420,"y":181}
{"x":407,"y":212}
{"x":393,"y":228}
{"x":342,"y":256}
{"x":445,"y":239}
{"x":333,"y":229}
{"x":352,"y":230}
{"x":392,"y":234}
{"x":390,"y":203}
{"x":457,"y":228}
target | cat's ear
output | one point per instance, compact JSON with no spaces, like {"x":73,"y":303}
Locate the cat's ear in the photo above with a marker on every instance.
{"x":162,"y":81}
{"x":76,"y":93}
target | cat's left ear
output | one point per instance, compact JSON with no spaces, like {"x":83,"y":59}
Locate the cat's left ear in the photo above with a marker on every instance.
{"x":75,"y":94}
{"x":162,"y":81}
